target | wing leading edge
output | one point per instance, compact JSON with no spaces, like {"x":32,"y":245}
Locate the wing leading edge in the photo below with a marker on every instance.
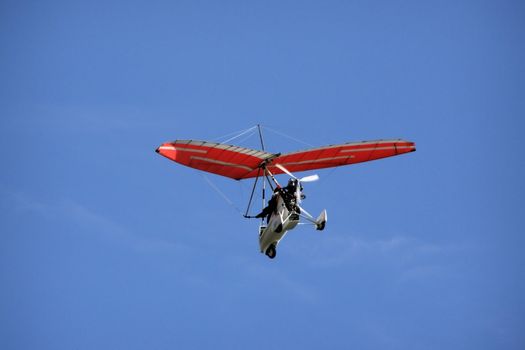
{"x":243,"y":163}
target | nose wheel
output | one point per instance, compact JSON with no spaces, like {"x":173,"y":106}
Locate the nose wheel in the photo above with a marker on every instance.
{"x":271,"y":252}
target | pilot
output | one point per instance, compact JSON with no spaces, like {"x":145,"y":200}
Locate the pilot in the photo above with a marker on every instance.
{"x":272,"y":205}
{"x":289,"y":193}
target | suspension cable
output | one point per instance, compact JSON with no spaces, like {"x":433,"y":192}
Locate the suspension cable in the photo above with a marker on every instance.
{"x":242,"y":133}
{"x":288,"y":136}
{"x":232,"y":133}
{"x":212,"y":185}
{"x":250,"y":134}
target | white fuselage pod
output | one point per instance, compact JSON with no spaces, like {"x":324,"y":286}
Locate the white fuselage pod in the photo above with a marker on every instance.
{"x":281,"y":221}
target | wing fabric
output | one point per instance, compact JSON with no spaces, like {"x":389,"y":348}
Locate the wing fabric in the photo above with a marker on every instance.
{"x":342,"y":154}
{"x":226,"y":160}
{"x":243,"y":163}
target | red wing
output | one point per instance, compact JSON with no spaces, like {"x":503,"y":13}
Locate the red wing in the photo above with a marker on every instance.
{"x":242,"y":163}
{"x":343,"y":154}
{"x":226,"y":160}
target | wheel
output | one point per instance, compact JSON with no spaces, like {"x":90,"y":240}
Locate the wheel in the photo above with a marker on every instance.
{"x":271,"y":252}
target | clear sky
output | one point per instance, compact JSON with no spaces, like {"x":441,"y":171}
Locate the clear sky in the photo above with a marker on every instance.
{"x":106,"y":245}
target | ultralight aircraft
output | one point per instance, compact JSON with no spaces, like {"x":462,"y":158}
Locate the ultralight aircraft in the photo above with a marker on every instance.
{"x":284,"y":209}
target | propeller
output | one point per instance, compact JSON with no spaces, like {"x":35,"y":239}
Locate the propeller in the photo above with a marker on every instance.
{"x":309,"y":178}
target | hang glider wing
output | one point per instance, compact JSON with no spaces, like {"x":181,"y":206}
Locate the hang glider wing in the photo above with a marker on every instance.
{"x":342,"y":154}
{"x":243,"y":163}
{"x":226,"y":160}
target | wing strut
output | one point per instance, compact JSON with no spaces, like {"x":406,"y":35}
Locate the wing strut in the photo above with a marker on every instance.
{"x":257,"y":178}
{"x":264,"y":170}
{"x":251,"y":195}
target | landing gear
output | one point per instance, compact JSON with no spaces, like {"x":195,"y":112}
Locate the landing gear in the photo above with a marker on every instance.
{"x":271,"y":252}
{"x":261,"y":230}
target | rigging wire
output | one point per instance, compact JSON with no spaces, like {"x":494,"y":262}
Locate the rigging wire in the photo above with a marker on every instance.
{"x":288,"y":136}
{"x":242,"y":133}
{"x":232,"y":133}
{"x":212,"y":185}
{"x":246,"y":138}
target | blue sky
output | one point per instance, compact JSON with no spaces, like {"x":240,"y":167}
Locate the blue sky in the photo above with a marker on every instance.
{"x":106,"y":245}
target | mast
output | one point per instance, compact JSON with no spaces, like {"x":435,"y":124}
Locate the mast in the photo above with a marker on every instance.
{"x":260,"y":136}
